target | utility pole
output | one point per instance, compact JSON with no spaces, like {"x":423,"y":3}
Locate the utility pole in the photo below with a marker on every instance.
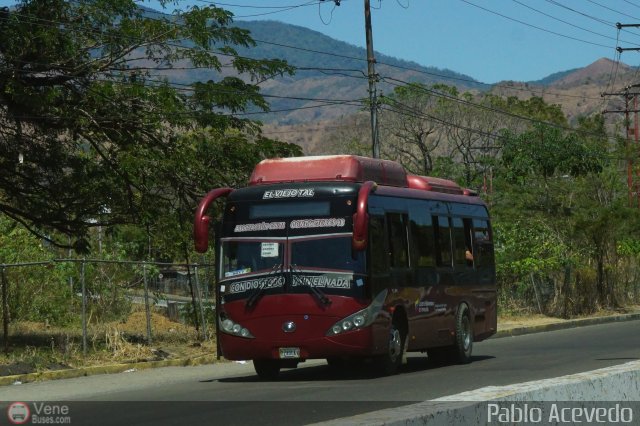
{"x":373,"y":98}
{"x":632,"y":186}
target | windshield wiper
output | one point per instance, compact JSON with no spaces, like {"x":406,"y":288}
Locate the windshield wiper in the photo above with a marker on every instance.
{"x":257,"y":293}
{"x":315,"y":291}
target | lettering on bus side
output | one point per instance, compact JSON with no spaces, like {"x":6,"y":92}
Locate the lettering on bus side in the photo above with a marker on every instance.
{"x":317,"y":223}
{"x":323,"y":281}
{"x":266,"y":283}
{"x":261,"y":226}
{"x":289,"y":193}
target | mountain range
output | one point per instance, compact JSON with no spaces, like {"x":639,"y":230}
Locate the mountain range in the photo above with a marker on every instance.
{"x":331,"y":69}
{"x":331,"y":81}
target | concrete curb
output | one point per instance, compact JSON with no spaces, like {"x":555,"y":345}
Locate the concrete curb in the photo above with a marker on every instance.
{"x":582,"y":322}
{"x":104,"y":369}
{"x":616,"y":384}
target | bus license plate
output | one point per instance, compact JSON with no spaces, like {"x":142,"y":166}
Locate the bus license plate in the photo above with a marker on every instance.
{"x":286,"y":353}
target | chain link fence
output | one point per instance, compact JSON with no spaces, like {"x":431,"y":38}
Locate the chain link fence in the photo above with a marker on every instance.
{"x":85,"y":293}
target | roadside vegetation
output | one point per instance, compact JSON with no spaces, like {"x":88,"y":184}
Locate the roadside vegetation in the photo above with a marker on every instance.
{"x":103,"y":157}
{"x":566,"y":224}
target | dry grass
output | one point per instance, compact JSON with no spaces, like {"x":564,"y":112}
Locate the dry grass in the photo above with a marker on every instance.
{"x":528,"y":319}
{"x":38,"y":346}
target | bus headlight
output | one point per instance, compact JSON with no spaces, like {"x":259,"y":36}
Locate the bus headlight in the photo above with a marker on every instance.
{"x":360,"y":319}
{"x":230,"y":327}
{"x":227,"y":325}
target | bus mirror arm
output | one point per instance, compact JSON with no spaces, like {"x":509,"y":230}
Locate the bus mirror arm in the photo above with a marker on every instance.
{"x":201,"y":220}
{"x":361,"y":218}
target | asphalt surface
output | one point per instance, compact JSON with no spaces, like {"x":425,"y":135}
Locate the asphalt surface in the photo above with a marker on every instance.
{"x":230,"y":393}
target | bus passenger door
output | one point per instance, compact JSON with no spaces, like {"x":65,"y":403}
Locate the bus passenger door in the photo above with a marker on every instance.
{"x":379,"y":273}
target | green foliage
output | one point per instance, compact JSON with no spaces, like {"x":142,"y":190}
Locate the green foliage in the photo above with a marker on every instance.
{"x":534,"y":107}
{"x":547,"y":151}
{"x":629,"y":247}
{"x":102,"y":133}
{"x":561,"y":211}
{"x":523,"y":248}
{"x":38,"y":292}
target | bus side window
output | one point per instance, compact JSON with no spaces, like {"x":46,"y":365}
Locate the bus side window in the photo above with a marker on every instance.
{"x":398,"y":242}
{"x":463,"y":250}
{"x":377,"y":246}
{"x":423,"y":244}
{"x":443,"y":240}
{"x":482,"y":242}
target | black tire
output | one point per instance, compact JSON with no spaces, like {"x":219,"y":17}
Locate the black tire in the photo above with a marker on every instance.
{"x":461,"y":351}
{"x":390,"y":362}
{"x":267,"y":369}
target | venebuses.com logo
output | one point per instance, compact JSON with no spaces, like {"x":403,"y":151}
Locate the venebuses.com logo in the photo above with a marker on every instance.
{"x":18,"y":413}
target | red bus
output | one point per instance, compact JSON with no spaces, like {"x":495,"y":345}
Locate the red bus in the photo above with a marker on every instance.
{"x":345,"y":258}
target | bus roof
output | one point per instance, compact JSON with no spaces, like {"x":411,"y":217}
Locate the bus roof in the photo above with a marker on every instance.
{"x":347,"y":168}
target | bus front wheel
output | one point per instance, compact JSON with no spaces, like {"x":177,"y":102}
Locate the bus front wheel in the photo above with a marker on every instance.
{"x":267,"y":369}
{"x":389,"y":363}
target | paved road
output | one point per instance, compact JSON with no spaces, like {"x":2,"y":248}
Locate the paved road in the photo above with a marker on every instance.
{"x":229,"y":393}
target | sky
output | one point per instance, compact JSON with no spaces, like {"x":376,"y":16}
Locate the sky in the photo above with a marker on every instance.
{"x":489,"y":40}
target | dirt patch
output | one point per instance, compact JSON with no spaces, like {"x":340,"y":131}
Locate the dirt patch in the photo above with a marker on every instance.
{"x":16,"y":368}
{"x":513,"y":321}
{"x":527,"y":321}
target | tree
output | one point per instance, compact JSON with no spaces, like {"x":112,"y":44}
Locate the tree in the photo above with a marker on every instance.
{"x":569,"y":181}
{"x":92,"y":134}
{"x":471,"y":131}
{"x":410,"y":129}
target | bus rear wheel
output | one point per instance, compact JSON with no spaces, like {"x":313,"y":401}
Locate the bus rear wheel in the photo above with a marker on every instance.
{"x":267,"y":369}
{"x":460,"y":351}
{"x":463,"y":347}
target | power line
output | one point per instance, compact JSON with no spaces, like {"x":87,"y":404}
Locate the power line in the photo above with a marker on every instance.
{"x":183,"y":87}
{"x":487,"y":108}
{"x":586,"y":15}
{"x":529,"y":90}
{"x":247,"y":6}
{"x":187,"y":114}
{"x":535,"y":26}
{"x":570,"y":24}
{"x":329,"y":100}
{"x":411,"y":112}
{"x":255,"y":15}
{"x":631,"y":3}
{"x":612,"y":10}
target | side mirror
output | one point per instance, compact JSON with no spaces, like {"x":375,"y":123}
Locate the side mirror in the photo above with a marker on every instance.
{"x":361,"y":218}
{"x":201,"y":221}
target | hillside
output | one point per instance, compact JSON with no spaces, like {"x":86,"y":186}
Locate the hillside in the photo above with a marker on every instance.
{"x":331,"y":82}
{"x":326,"y":69}
{"x":341,"y":75}
{"x":577,"y":91}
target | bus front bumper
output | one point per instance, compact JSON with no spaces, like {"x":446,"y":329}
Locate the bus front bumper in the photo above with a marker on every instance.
{"x":352,"y":343}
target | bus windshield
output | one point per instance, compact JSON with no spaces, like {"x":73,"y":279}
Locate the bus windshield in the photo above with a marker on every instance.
{"x":327,"y":253}
{"x":244,"y":257}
